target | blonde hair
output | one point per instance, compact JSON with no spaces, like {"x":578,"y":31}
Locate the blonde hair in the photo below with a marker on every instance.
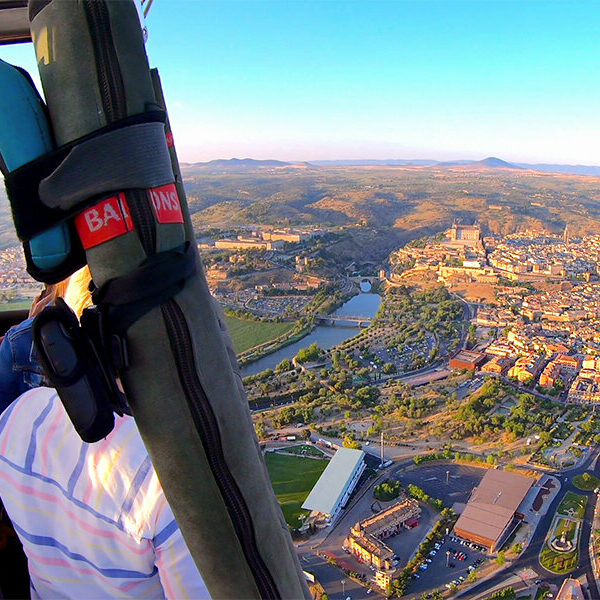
{"x":77,"y":290}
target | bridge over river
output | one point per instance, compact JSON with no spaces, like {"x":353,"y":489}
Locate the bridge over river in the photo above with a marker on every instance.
{"x":344,"y":319}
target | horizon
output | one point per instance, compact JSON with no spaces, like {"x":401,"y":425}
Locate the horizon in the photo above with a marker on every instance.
{"x":443,"y":79}
{"x":381,"y":160}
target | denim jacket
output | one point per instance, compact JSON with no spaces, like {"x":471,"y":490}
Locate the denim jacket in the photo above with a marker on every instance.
{"x":20,"y":369}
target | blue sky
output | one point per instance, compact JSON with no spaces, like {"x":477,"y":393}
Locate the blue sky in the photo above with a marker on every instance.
{"x":308,"y":80}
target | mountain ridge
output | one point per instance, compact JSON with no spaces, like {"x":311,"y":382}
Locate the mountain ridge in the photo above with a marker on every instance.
{"x":490,"y":162}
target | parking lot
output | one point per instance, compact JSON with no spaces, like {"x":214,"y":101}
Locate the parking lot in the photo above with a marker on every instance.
{"x":450,"y":483}
{"x":450,"y":563}
{"x":406,"y":543}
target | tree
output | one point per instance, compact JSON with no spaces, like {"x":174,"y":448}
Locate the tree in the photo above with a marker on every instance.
{"x":305,"y":434}
{"x":363,"y":373}
{"x":261,"y":430}
{"x":389,"y":368}
{"x":284,"y":365}
{"x":472,"y":576}
{"x":501,"y":558}
{"x":350,"y":442}
{"x":388,"y":490}
{"x":308,"y":354}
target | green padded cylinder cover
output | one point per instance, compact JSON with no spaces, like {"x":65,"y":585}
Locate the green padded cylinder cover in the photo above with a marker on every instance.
{"x":70,"y":60}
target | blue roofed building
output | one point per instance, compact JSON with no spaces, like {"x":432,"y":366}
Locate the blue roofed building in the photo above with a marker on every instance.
{"x":333,"y":489}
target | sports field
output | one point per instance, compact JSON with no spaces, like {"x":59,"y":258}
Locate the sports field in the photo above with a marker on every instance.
{"x":293,"y":477}
{"x":247,"y":334}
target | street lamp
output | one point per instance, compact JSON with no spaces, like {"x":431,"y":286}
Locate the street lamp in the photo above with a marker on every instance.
{"x":447,"y":476}
{"x":447,"y":556}
{"x":342,"y":581}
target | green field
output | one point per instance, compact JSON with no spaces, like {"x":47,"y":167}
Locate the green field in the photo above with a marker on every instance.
{"x":586,"y":482}
{"x":293,"y":477}
{"x":247,"y":334}
{"x":573,"y":505}
{"x":18,"y":305}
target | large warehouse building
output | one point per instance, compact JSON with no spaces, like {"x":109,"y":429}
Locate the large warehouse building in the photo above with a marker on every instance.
{"x":492,"y":511}
{"x":338,"y":480}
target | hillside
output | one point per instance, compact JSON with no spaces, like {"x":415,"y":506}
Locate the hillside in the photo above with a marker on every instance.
{"x":399,"y":198}
{"x":502,"y":199}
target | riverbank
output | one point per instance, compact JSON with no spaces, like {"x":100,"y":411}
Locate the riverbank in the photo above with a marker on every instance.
{"x":257,"y":352}
{"x":269,"y":355}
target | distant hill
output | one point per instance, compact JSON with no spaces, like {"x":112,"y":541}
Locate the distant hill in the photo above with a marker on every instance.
{"x":487,"y":163}
{"x":233,"y":165}
{"x":571,"y":169}
{"x":490,"y":162}
{"x":494,"y":163}
{"x":243,"y":165}
{"x":392,"y":162}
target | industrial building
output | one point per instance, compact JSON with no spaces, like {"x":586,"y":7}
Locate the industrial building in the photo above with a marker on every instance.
{"x":333,"y":489}
{"x":492,"y":513}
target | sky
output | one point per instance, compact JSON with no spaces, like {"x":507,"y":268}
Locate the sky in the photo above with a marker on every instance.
{"x":369,"y":79}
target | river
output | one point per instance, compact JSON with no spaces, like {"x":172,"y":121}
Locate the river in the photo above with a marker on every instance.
{"x":326,"y":336}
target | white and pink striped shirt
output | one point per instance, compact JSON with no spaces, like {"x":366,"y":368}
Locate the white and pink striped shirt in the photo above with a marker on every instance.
{"x":93,"y":518}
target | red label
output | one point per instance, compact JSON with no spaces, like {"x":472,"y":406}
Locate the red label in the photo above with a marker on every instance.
{"x":104,"y":221}
{"x":170,"y":140}
{"x":165,"y":201}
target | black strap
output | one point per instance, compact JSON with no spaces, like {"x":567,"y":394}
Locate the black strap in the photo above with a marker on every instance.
{"x":30,"y":215}
{"x":125,"y":299}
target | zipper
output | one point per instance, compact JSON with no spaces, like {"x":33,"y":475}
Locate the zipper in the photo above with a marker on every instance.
{"x":143,"y":218}
{"x":112,"y":90}
{"x":206,"y":425}
{"x":108,"y":70}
